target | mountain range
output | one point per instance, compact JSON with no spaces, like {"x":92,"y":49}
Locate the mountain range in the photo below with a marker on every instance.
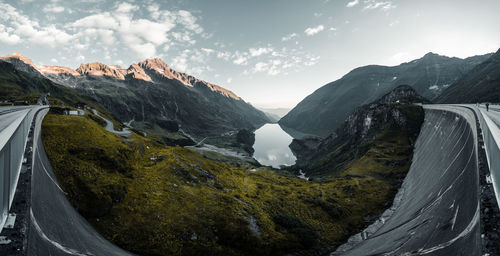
{"x":153,"y":96}
{"x":324,"y":110}
{"x":481,"y":84}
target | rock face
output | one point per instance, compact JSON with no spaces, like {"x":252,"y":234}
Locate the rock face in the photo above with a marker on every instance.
{"x":22,"y":63}
{"x":481,"y":84}
{"x":99,"y":69}
{"x":392,"y":113}
{"x":324,"y":111}
{"x":150,"y":91}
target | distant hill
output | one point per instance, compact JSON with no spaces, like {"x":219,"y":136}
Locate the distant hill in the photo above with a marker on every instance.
{"x":481,"y":84}
{"x":324,"y":110}
{"x":275,"y":114}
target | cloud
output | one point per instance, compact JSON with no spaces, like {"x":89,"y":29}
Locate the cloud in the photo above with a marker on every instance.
{"x":352,"y":3}
{"x":163,"y":28}
{"x":7,"y":38}
{"x":374,"y":4}
{"x":53,"y":9}
{"x":145,"y":50}
{"x":101,"y":20}
{"x":254,"y":52}
{"x":123,"y":26}
{"x":126,"y":8}
{"x":314,"y":30}
{"x":240,"y":60}
{"x":289,"y":37}
{"x":16,"y":27}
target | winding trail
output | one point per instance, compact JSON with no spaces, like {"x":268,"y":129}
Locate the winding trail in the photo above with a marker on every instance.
{"x":111,"y":128}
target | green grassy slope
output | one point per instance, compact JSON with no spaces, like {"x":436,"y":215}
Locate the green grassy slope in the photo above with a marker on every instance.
{"x":154,"y":199}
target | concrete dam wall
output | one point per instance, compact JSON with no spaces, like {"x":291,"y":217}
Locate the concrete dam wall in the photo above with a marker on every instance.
{"x":437,"y":210}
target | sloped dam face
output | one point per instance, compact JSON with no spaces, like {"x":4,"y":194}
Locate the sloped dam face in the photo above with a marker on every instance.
{"x":437,"y":210}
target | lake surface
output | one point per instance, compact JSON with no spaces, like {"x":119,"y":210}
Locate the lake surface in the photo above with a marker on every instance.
{"x":271,"y":146}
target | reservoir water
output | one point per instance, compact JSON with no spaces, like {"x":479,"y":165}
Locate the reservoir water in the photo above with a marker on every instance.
{"x":271,"y":146}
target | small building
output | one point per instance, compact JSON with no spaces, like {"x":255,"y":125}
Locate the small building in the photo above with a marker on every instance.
{"x":72,"y":113}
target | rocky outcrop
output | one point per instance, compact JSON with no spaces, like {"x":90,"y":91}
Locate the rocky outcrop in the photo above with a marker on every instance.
{"x":136,"y":72}
{"x":99,"y":69}
{"x":57,"y":70}
{"x":22,"y":63}
{"x":161,"y":69}
{"x":393,"y":112}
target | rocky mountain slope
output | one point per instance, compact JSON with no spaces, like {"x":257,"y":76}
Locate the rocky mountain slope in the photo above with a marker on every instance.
{"x":324,"y":111}
{"x":17,"y":83}
{"x":152,"y":94}
{"x":481,"y":84}
{"x":370,"y":127}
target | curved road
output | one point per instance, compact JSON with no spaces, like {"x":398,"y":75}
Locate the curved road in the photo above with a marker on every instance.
{"x":56,"y":228}
{"x":438,"y":210}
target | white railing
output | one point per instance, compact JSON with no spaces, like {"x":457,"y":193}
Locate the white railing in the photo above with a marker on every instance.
{"x":491,"y":137}
{"x":13,"y":139}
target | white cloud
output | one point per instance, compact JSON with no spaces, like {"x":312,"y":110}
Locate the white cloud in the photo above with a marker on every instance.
{"x":101,"y":20}
{"x":260,"y":67}
{"x":20,"y":27}
{"x":127,"y":8}
{"x":374,"y":4}
{"x":9,"y":39}
{"x":289,"y":37}
{"x":80,"y":58}
{"x":189,"y":21}
{"x":254,"y":52}
{"x":314,"y":30}
{"x":225,"y":55}
{"x":53,"y":9}
{"x":352,"y":3}
{"x":53,"y":60}
{"x":229,"y":80}
{"x":241,"y":60}
{"x":146,"y":50}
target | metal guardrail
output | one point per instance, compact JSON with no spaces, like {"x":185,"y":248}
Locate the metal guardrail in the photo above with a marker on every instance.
{"x":13,"y":140}
{"x":491,"y":142}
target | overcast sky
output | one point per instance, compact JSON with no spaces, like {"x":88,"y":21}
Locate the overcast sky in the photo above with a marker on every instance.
{"x":273,"y":53}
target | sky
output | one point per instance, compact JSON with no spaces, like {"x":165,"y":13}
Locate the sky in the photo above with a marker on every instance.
{"x":272,"y":53}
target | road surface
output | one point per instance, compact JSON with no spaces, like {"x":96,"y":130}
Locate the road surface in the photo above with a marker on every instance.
{"x":56,"y":228}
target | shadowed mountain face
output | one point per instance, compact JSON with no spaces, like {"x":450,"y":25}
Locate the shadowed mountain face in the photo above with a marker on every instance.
{"x":481,"y":84}
{"x":375,"y":125}
{"x":323,"y":111}
{"x":151,"y":93}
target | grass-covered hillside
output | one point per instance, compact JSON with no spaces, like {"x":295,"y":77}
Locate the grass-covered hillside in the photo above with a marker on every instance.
{"x":154,"y":199}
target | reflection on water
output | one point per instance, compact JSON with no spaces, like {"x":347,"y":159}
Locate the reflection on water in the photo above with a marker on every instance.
{"x":271,"y":146}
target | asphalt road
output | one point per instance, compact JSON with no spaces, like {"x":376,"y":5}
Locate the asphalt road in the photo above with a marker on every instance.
{"x":56,"y":228}
{"x":437,"y":211}
{"x":8,"y":115}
